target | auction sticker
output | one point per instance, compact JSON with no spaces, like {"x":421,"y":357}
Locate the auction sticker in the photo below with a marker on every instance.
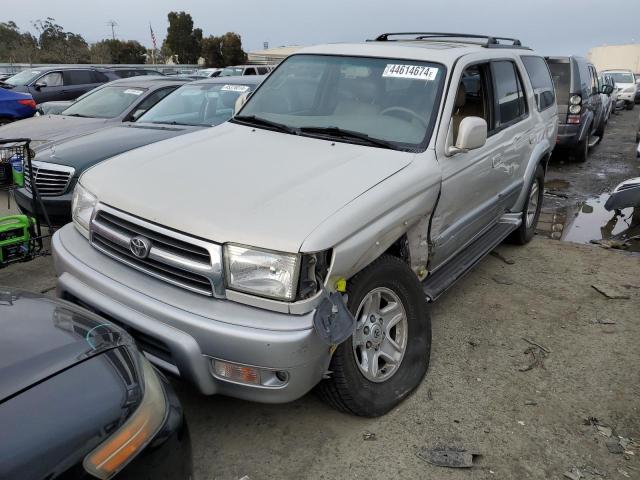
{"x":132,"y":91}
{"x":417,"y":72}
{"x":234,"y":88}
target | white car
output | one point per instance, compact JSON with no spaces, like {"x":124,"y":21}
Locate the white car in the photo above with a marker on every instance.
{"x":626,"y":84}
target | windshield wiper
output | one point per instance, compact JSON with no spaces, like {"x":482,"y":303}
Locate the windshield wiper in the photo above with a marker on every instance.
{"x":337,"y":132}
{"x":253,"y":120}
{"x":76,"y":115}
{"x":173,"y":122}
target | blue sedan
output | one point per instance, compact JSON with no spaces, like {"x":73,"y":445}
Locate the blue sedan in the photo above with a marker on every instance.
{"x":15,"y":106}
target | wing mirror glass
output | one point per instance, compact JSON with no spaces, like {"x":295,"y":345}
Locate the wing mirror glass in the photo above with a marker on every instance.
{"x":606,"y":89}
{"x":472,"y":134}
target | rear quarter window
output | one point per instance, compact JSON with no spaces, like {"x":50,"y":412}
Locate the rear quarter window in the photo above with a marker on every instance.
{"x":541,"y":81}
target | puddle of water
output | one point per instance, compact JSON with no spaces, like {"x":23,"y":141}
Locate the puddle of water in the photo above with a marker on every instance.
{"x":590,"y":221}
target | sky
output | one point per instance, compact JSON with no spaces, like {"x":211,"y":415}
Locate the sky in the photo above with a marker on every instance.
{"x":552,"y":27}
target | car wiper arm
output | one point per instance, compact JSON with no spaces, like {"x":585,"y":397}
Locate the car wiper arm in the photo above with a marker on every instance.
{"x":76,"y":115}
{"x":253,"y":120}
{"x":342,"y":133}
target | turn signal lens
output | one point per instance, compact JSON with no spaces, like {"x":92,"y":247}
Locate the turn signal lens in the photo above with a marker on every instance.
{"x":120,"y":448}
{"x":236,"y":373}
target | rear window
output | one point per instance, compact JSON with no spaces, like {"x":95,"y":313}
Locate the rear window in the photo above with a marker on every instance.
{"x":541,"y":81}
{"x":561,"y":74}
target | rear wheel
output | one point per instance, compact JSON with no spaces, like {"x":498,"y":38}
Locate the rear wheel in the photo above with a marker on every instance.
{"x":531,"y":211}
{"x":630,"y":105}
{"x":581,"y":151}
{"x":600,"y":131}
{"x":388,"y":354}
{"x":4,"y":121}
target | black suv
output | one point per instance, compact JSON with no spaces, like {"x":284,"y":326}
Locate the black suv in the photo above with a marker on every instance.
{"x":581,"y":112}
{"x":64,"y":82}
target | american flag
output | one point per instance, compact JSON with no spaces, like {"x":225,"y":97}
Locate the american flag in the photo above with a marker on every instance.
{"x":153,"y":38}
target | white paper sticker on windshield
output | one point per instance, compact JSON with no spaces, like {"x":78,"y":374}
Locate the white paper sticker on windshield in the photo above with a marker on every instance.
{"x":410,"y":71}
{"x":132,"y":91}
{"x":234,"y":88}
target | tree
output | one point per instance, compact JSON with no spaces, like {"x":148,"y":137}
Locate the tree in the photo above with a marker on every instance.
{"x":118,"y":51}
{"x":223,"y":51}
{"x":182,"y":40}
{"x":57,"y":46}
{"x":16,"y":46}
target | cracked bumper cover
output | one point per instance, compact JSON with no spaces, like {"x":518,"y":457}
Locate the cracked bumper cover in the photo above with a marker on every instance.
{"x":163,"y":313}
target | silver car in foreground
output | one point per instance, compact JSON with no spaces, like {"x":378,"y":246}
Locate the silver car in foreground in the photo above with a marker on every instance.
{"x":301,"y":243}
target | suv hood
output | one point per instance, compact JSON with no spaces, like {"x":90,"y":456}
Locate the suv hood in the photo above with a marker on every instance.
{"x":241,"y":184}
{"x":42,"y":337}
{"x":85,"y":151}
{"x":48,"y":128}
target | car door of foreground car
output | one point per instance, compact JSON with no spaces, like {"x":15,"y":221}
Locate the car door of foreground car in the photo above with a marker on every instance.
{"x":471,"y":182}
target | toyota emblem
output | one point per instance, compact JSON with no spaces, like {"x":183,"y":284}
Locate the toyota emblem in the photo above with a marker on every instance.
{"x":140,"y":246}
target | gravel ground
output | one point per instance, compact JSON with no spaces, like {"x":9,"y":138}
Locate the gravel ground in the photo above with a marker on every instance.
{"x":483,"y":393}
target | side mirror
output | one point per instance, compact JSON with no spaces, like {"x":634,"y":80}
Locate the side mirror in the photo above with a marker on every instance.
{"x":606,"y":89}
{"x":472,"y":134}
{"x":39,"y":85}
{"x":240,"y":101}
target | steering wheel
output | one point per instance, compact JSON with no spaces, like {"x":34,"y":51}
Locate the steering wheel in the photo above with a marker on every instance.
{"x":406,"y":111}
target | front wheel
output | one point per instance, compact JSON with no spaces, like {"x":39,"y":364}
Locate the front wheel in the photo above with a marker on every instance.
{"x":630,"y":105}
{"x":532,"y":209}
{"x":388,"y":355}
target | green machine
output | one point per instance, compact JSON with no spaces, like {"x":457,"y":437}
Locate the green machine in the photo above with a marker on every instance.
{"x":16,"y":233}
{"x":21,"y":236}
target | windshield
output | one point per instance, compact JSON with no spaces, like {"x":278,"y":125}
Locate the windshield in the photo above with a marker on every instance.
{"x":23,"y":78}
{"x":202,"y":105}
{"x":106,"y":102}
{"x":231,"y":72}
{"x":385,"y":99}
{"x":622,"y":77}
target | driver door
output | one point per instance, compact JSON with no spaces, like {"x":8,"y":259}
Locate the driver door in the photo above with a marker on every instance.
{"x":468,"y":198}
{"x":52,"y":89}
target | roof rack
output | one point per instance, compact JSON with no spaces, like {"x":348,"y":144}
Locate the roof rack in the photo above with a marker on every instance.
{"x":490,"y":40}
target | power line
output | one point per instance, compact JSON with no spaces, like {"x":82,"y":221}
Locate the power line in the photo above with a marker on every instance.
{"x":113,"y":24}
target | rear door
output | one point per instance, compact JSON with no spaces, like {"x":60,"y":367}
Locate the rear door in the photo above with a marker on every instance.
{"x":78,"y":82}
{"x":596,"y":99}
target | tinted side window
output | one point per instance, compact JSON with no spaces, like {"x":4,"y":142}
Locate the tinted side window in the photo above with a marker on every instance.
{"x":541,"y":81}
{"x":263,"y":70}
{"x":154,"y":98}
{"x":250,"y":71}
{"x":595,"y":88}
{"x":77,"y":77}
{"x":510,"y":99}
{"x":99,"y":77}
{"x":472,"y":97}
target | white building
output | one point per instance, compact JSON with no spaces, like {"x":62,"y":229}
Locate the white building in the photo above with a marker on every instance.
{"x":271,"y":55}
{"x":613,"y":57}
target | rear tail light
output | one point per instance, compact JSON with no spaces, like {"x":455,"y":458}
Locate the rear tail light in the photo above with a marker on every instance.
{"x":28,"y":102}
{"x":574,"y":119}
{"x":575,"y":109}
{"x":575,"y":100}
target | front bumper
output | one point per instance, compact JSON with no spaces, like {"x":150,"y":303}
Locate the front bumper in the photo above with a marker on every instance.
{"x":58,"y":208}
{"x":161,"y":317}
{"x":627,"y":97}
{"x":168,"y":456}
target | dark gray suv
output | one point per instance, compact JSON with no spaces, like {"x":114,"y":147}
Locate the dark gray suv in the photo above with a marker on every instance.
{"x":581,"y":113}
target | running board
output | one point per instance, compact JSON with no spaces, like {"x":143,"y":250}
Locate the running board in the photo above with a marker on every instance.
{"x":437,"y":283}
{"x":594,"y":141}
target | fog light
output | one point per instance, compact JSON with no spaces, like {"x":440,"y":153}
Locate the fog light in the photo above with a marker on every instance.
{"x":236,"y":373}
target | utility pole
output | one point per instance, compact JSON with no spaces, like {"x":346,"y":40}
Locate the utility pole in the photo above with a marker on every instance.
{"x":113,"y":24}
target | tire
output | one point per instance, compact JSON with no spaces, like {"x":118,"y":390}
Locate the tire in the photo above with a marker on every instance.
{"x":350,"y":388}
{"x":601,"y":130}
{"x":581,"y":152}
{"x":535,"y":196}
{"x":5,"y":121}
{"x":630,"y":105}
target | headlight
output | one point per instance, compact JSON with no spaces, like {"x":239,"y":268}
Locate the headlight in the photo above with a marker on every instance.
{"x":82,"y":207}
{"x":261,"y":272}
{"x":575,"y":100}
{"x":575,"y":109}
{"x":124,"y":444}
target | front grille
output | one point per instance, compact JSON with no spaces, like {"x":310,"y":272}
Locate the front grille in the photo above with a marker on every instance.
{"x":51,"y":179}
{"x":175,"y":258}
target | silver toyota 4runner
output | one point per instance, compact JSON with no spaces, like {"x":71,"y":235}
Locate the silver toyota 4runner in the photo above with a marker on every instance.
{"x":301,"y":243}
